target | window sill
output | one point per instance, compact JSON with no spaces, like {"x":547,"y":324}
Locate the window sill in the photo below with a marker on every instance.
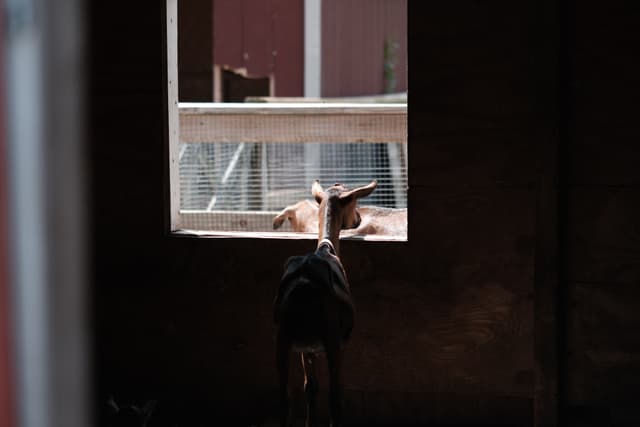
{"x":281,"y":235}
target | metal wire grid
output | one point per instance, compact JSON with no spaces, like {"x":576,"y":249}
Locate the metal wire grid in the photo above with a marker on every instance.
{"x":270,"y":176}
{"x":239,"y":186}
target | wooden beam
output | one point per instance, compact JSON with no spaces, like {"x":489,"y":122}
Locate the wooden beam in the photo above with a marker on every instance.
{"x":293,"y":123}
{"x":288,"y":108}
{"x":245,"y":223}
{"x":172,"y":123}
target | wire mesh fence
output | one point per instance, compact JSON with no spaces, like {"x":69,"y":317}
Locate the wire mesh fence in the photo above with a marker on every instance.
{"x":240,"y":186}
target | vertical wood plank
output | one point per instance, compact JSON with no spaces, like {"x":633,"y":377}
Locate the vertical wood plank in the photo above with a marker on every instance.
{"x":546,"y":269}
{"x":228,"y":31}
{"x":554,"y":116}
{"x":195,"y":27}
{"x":172,"y":127}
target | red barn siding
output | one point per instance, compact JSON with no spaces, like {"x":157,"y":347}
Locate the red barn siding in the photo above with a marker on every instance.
{"x":353,"y":39}
{"x":228,"y":32}
{"x":265,"y":37}
{"x":289,"y":37}
{"x":195,"y":63}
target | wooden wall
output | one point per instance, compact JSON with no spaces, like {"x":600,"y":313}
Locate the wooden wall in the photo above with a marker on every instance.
{"x":445,"y":326}
{"x":602,"y":369}
{"x":195,"y":47}
{"x":263,"y":37}
{"x":354,"y":36}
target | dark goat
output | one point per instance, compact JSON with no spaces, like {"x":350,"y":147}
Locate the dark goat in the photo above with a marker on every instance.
{"x":313,"y":308}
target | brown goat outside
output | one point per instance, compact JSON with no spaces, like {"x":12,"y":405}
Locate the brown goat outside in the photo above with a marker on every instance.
{"x":375,"y":220}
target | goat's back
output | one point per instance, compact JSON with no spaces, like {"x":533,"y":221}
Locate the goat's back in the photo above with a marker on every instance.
{"x":383,"y":221}
{"x":313,"y":299}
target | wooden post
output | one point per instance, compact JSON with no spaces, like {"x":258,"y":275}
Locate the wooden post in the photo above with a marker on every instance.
{"x":545,"y":290}
{"x":171,"y":119}
{"x":395,"y":166}
{"x":546,"y":249}
{"x":553,"y":120}
{"x":264,"y":177}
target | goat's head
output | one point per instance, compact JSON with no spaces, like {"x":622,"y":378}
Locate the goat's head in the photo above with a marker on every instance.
{"x":339,"y":204}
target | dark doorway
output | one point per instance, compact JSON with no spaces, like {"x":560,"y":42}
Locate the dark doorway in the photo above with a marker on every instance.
{"x":236,"y":87}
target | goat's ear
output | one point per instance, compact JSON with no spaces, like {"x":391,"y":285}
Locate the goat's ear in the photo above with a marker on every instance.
{"x":279,"y":219}
{"x":317,"y":191}
{"x":359,"y":192}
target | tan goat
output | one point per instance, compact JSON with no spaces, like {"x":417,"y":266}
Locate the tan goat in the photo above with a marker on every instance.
{"x":303,"y":217}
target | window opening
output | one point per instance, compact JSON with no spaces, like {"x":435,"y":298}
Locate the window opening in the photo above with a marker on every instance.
{"x":238,"y":162}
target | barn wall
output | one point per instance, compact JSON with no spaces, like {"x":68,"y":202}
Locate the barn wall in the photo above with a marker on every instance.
{"x":354,"y":33}
{"x":603,"y":324}
{"x":444,"y":332}
{"x":195,"y":44}
{"x":262,"y":37}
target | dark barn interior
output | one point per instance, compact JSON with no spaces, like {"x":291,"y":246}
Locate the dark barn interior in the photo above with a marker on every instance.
{"x":513,"y":301}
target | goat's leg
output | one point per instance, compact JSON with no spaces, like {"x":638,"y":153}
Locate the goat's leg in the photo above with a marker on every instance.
{"x":310,"y":386}
{"x":334,"y":359}
{"x":283,"y":351}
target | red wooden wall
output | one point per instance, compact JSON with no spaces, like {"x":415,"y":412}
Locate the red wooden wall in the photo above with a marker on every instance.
{"x":353,"y":40}
{"x":265,"y":37}
{"x":195,"y":50}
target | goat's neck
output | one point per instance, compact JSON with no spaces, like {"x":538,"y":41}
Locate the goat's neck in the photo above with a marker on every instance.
{"x":329,"y":226}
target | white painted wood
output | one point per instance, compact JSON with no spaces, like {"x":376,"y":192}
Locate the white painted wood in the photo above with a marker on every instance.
{"x":312,"y":67}
{"x":291,"y":108}
{"x":293,"y":123}
{"x":386,"y":98}
{"x":173,"y":115}
{"x":395,"y":162}
{"x":313,"y":48}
